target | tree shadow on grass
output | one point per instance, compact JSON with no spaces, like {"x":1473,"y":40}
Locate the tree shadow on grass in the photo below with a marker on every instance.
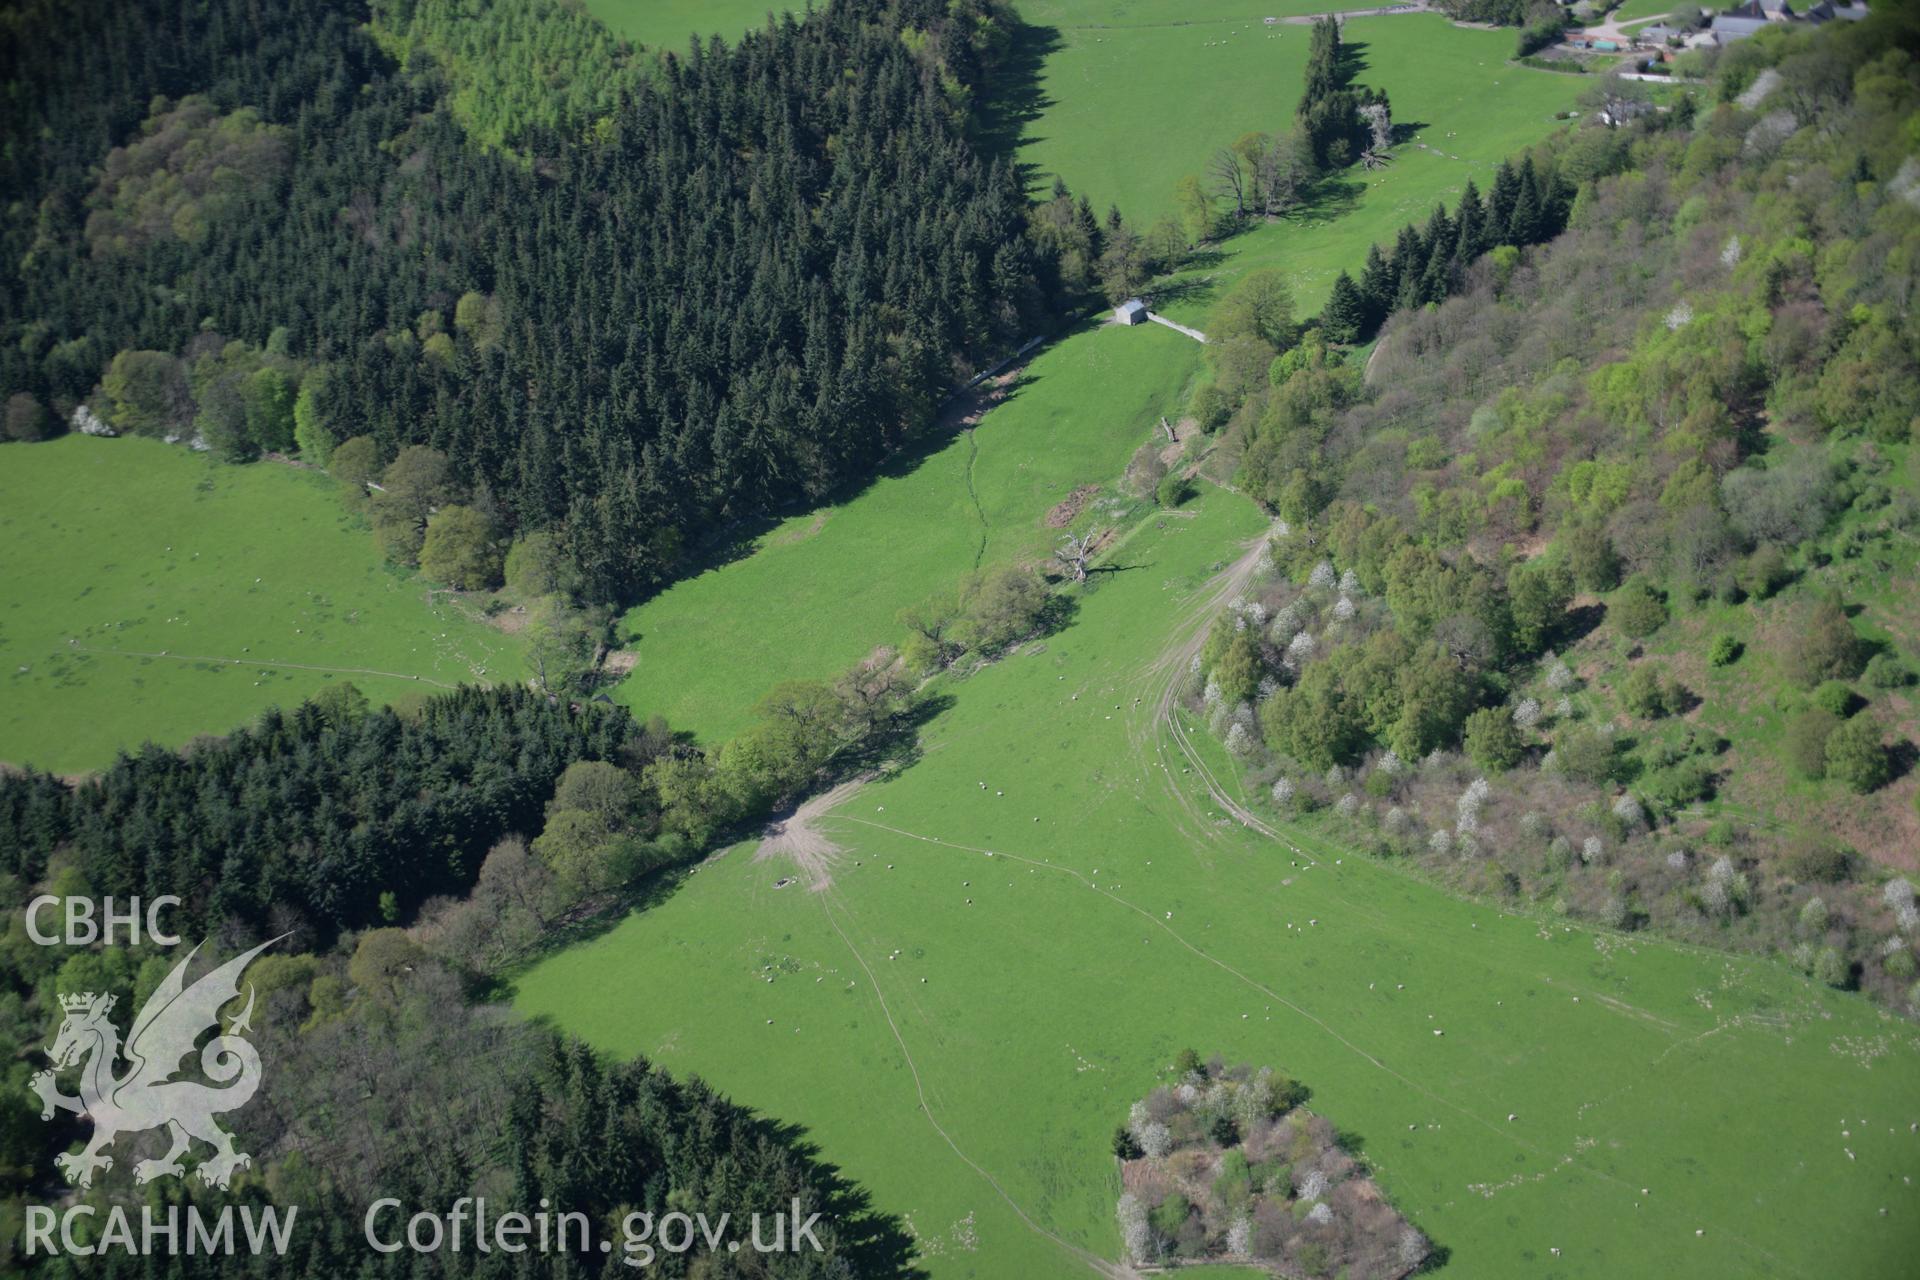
{"x":584,"y":923}
{"x":1099,"y":573}
{"x":1191,"y":289}
{"x":1204,"y":259}
{"x":898,"y":747}
{"x":1014,"y":98}
{"x":1190,"y":281}
{"x":875,"y":1243}
{"x":909,"y":456}
{"x":1351,"y":61}
{"x":1331,"y":198}
{"x":1405,"y":131}
{"x":1327,"y":198}
{"x":1057,"y":615}
{"x":1579,"y":621}
{"x":741,"y":537}
{"x":1902,"y":756}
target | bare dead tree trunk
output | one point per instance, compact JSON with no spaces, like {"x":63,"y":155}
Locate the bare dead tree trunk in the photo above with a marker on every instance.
{"x":1380,"y":135}
{"x":1076,"y":549}
{"x":1229,"y":179}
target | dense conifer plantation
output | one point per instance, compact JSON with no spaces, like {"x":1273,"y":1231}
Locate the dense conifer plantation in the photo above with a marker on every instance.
{"x":304,"y":821}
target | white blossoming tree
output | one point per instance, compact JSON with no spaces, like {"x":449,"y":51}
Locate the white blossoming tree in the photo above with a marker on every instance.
{"x":1897,"y":893}
{"x":1134,"y":1233}
{"x":1413,"y":1248}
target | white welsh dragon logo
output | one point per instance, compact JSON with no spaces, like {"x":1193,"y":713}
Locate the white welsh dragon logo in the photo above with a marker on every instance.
{"x":146,"y":1096}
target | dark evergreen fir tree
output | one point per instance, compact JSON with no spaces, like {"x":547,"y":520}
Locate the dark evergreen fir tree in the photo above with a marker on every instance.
{"x":1378,"y":285}
{"x":1500,"y":201}
{"x":1345,"y":317}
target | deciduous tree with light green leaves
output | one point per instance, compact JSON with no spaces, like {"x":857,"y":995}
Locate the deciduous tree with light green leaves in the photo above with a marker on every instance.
{"x":561,"y":642}
{"x":1855,"y":757}
{"x":146,"y":393}
{"x":414,"y":485}
{"x":1260,"y":306}
{"x":461,"y":549}
{"x":1538,"y":594}
{"x":1638,"y":609}
{"x":269,"y":395}
{"x":313,"y":433}
{"x":536,"y":567}
{"x":1493,"y":740}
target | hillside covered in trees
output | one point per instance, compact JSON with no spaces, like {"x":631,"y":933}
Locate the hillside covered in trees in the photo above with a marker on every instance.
{"x":384,"y":1076}
{"x":627,"y":306}
{"x":1594,"y":584}
{"x":404,"y":862}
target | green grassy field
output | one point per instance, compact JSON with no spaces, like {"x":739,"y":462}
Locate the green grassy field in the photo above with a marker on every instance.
{"x":667,"y":24}
{"x":1469,"y":125}
{"x":961,"y":1033}
{"x":822,"y":589}
{"x":1109,"y":88}
{"x":1643,"y":9}
{"x":252,"y":580}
